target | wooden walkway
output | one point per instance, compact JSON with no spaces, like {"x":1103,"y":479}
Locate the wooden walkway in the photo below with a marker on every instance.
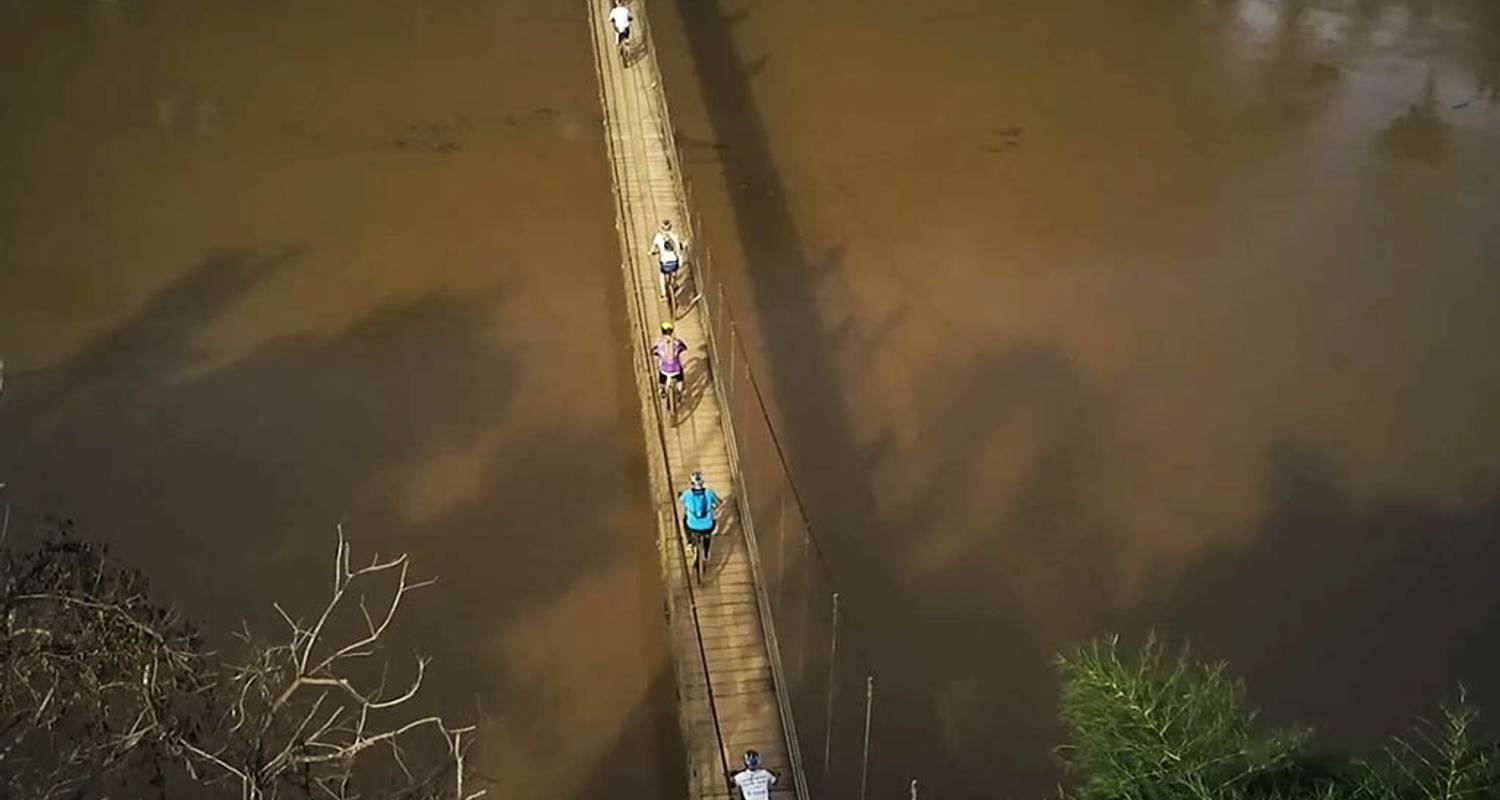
{"x":730,"y":706}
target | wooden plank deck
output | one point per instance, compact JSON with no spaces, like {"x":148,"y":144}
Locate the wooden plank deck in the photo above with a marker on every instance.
{"x":730,"y":706}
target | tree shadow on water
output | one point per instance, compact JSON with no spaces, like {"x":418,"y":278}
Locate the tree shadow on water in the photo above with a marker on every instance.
{"x":225,"y":485}
{"x":286,"y":436}
{"x":1421,"y":133}
{"x":1012,"y":573}
{"x":151,"y":343}
{"x":963,"y":650}
{"x":1352,"y":613}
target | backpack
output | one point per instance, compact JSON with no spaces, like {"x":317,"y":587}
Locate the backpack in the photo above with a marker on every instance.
{"x":700,"y":509}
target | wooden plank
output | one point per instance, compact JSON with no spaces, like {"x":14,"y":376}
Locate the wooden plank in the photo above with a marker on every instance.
{"x":728,"y":604}
{"x":725,"y":645}
{"x":724,"y":655}
{"x":721,"y":665}
{"x":728,"y":610}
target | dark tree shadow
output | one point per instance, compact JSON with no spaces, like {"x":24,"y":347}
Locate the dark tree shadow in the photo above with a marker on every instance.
{"x":1352,"y":613}
{"x":225,"y":484}
{"x":974,"y":689}
{"x":155,"y":339}
{"x":1419,"y":134}
{"x":979,"y":636}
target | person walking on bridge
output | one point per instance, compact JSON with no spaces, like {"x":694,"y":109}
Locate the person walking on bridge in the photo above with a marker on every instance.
{"x":754,"y":781}
{"x":667,"y":247}
{"x":619,"y":16}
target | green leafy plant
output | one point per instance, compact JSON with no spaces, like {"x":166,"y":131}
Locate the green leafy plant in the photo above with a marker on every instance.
{"x":1146,"y":725}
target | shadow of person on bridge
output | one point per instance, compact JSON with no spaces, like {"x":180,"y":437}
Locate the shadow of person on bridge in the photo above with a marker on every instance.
{"x":729,"y":538}
{"x":697,"y":381}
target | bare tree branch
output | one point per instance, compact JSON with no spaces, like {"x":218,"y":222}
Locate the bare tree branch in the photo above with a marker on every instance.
{"x":281,"y":726}
{"x":102,"y":682}
{"x":93,"y":674}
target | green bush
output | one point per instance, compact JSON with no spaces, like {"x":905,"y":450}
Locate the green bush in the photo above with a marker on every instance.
{"x":1145,"y":725}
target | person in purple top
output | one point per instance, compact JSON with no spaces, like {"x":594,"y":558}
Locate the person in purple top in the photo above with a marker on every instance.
{"x":668,"y":351}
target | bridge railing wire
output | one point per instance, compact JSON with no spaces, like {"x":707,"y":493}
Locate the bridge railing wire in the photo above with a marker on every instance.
{"x":829,"y":683}
{"x":826,"y":685}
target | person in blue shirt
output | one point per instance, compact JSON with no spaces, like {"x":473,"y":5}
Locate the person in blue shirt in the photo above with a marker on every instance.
{"x":698,"y":506}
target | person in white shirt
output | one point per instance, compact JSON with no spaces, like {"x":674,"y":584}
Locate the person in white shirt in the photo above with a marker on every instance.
{"x":620,"y":17}
{"x":754,"y":781}
{"x":668,"y":251}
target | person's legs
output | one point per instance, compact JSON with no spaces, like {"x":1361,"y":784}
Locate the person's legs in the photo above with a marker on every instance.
{"x":662,"y":284}
{"x":707,"y":539}
{"x":669,"y":275}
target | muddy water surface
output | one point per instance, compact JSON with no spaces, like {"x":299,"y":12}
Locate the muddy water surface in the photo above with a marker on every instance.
{"x":269,"y":266}
{"x":1088,"y":316}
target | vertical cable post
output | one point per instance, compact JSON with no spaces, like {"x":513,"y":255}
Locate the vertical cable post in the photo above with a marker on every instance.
{"x":833,"y":658}
{"x":864,"y":768}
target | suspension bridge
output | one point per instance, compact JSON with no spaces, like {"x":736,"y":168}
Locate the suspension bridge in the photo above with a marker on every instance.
{"x":724,"y":651}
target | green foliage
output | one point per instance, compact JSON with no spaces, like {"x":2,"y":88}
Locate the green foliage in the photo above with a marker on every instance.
{"x":1444,"y":760}
{"x":1144,"y":725}
{"x":1155,"y":727}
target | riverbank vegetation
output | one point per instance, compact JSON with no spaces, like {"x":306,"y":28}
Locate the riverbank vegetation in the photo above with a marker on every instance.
{"x":1144,"y":724}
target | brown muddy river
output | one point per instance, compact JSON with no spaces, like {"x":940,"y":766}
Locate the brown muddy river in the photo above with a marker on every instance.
{"x":1080,"y":316}
{"x":1106,"y":316}
{"x":267,"y":266}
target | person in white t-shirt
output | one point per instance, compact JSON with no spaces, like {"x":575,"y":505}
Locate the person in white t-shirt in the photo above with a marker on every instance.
{"x":667,"y":248}
{"x":754,"y":781}
{"x":619,"y":16}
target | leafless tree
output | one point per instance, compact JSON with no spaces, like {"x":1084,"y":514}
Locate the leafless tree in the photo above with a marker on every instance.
{"x":297,"y":718}
{"x":99,"y":686}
